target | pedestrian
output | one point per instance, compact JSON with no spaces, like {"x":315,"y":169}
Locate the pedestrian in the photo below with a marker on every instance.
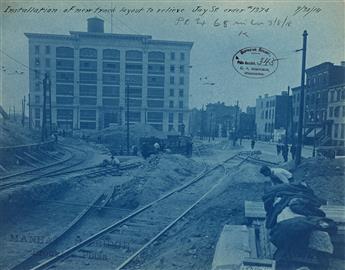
{"x":285,"y":152}
{"x":277,"y":175}
{"x":293,"y":151}
{"x":252,"y":144}
{"x":156,"y":147}
{"x":279,"y":149}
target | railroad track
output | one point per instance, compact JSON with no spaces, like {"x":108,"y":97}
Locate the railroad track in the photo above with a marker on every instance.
{"x":46,"y":171}
{"x":42,"y":168}
{"x":89,"y":172}
{"x":141,"y":227}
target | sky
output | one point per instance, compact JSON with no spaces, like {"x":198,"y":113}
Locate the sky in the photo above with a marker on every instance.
{"x":215,"y":44}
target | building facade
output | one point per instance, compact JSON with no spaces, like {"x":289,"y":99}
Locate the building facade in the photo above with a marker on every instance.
{"x":296,"y":93}
{"x":319,"y":80}
{"x":336,"y":114}
{"x":93,"y":74}
{"x":272,"y":115}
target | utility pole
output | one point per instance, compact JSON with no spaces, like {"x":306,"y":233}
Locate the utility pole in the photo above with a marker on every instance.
{"x":14,"y":113}
{"x":44,"y":112}
{"x":287,"y":117}
{"x":50,"y":105}
{"x":29,"y":103}
{"x":301,"y":104}
{"x":127,"y":99}
{"x":210,"y":128}
{"x":23,"y":111}
{"x":235,"y":131}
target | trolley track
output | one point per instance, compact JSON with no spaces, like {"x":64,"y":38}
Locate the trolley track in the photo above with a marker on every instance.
{"x":29,"y":177}
{"x":154,"y":219}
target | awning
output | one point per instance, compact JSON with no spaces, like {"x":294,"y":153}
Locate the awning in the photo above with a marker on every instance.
{"x":314,"y":131}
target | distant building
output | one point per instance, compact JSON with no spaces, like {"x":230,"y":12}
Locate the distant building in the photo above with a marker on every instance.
{"x":336,"y":114}
{"x":222,"y":120}
{"x":317,"y":120}
{"x":296,"y":94}
{"x":250,"y":110}
{"x":247,"y":124}
{"x":273,"y":114}
{"x":319,"y":80}
{"x":90,"y":72}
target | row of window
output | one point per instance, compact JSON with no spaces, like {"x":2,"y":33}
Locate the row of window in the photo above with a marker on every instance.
{"x":269,"y":127}
{"x":110,"y":54}
{"x":114,"y":79}
{"x":270,"y":103}
{"x":339,"y":133}
{"x":133,"y":102}
{"x":112,"y":67}
{"x":267,"y":114}
{"x":337,"y":95}
{"x":335,"y":111}
{"x":319,"y":79}
{"x":113,"y":91}
{"x":88,"y":118}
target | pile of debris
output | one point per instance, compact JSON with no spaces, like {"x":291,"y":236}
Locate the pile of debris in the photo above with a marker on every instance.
{"x":159,"y":174}
{"x":13,"y":133}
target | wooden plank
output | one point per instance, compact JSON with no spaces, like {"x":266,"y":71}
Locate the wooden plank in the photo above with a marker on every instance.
{"x":258,"y":264}
{"x":255,"y":210}
{"x":232,"y":247}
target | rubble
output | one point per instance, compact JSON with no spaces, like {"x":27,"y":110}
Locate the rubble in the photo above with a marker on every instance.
{"x":13,"y":133}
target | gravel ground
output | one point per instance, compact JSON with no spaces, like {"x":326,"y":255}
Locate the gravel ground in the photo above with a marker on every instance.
{"x":189,"y":244}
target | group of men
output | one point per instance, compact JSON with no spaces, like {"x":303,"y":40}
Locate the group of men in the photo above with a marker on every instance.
{"x":284,"y":150}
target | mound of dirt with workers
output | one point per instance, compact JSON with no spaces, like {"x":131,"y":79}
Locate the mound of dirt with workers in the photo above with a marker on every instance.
{"x":159,"y":174}
{"x":117,"y":135}
{"x":13,"y":133}
{"x":325,"y":177}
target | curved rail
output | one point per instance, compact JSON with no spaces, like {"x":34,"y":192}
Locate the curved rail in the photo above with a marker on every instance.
{"x":25,"y":181}
{"x":113,"y":226}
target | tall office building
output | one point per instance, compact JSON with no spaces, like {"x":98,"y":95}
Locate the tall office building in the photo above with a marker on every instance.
{"x":92,"y":72}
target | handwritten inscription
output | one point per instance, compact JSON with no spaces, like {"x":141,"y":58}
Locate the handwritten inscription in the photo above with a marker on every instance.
{"x":198,"y":10}
{"x":274,"y":22}
{"x":242,"y":19}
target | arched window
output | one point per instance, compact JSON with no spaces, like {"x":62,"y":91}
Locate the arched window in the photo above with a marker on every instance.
{"x":111,"y":54}
{"x":88,"y":53}
{"x":156,"y":57}
{"x":134,"y":56}
{"x":64,"y":52}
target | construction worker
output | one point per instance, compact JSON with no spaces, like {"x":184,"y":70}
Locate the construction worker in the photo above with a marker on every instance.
{"x":277,"y":175}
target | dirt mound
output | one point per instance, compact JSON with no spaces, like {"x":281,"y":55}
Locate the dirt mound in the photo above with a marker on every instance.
{"x":325,"y":177}
{"x":25,"y":197}
{"x":159,"y":174}
{"x":13,"y":133}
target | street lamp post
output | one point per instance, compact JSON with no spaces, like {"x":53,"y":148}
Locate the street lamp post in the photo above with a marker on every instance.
{"x":127,"y":100}
{"x":301,"y":111}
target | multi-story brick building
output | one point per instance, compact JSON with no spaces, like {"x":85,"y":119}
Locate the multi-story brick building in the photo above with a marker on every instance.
{"x":336,"y":114}
{"x":91,"y":72}
{"x":296,"y":93}
{"x":272,"y":115}
{"x":319,"y":80}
